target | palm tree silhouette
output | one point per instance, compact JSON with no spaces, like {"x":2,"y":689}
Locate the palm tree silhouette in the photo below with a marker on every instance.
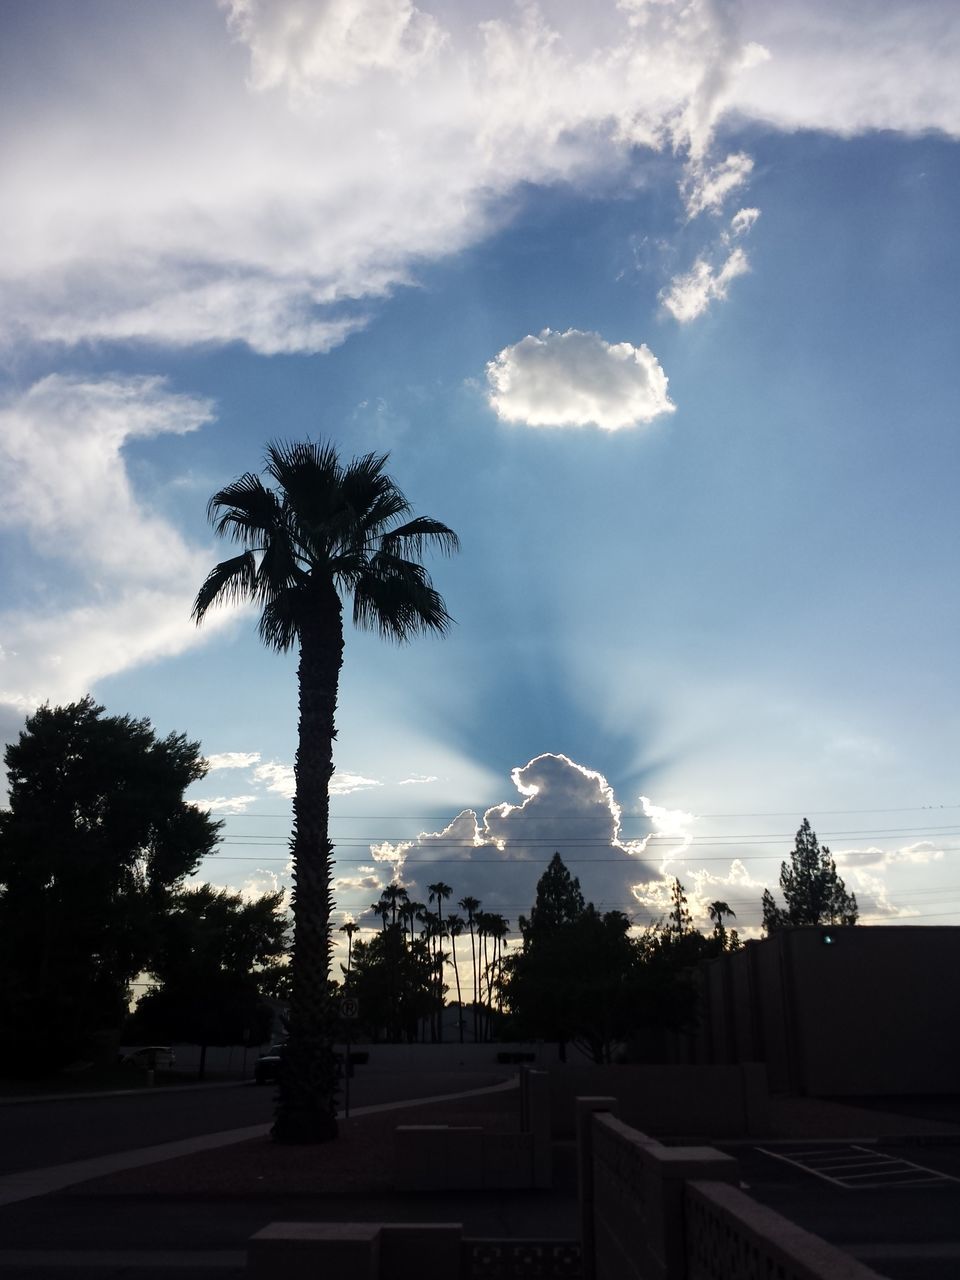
{"x":717,"y":911}
{"x":325,"y":533}
{"x":349,"y":927}
{"x":471,"y":906}
{"x":436,"y":893}
{"x":455,"y":927}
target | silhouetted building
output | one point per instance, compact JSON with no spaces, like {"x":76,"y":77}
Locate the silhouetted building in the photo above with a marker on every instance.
{"x":859,"y":1010}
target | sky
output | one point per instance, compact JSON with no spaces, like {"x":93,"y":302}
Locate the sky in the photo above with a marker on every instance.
{"x":655,"y":302}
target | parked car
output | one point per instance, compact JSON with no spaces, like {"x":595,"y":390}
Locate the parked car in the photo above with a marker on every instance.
{"x":267,"y":1067}
{"x":152,"y":1057}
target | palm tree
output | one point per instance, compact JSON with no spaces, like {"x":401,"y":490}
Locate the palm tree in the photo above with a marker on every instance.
{"x":717,"y":911}
{"x":455,"y":927}
{"x":349,"y":927}
{"x":325,"y":533}
{"x":471,"y":906}
{"x":436,"y":893}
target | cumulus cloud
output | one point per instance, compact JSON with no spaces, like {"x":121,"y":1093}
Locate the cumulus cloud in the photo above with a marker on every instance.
{"x":120,"y":583}
{"x":500,"y":856}
{"x":575,"y":378}
{"x":232,"y":760}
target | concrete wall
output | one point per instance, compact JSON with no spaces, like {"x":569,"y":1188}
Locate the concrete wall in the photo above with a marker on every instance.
{"x":876,"y":1011}
{"x":676,"y":1100}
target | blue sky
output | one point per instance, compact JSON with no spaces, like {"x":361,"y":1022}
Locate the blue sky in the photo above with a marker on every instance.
{"x":658,"y":311}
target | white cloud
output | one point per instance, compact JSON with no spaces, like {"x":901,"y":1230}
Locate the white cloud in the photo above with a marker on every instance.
{"x":305,"y":46}
{"x":852,"y":67}
{"x":121,"y":578}
{"x":225,"y":804}
{"x":303,"y":168}
{"x":232,"y":760}
{"x":364,"y":138}
{"x":707,"y":186}
{"x":743,"y":220}
{"x":276,"y":777}
{"x":575,"y":378}
{"x":499,"y":858}
{"x":689,"y":295}
{"x":919,"y":853}
{"x":418,"y":779}
{"x":344,"y":784}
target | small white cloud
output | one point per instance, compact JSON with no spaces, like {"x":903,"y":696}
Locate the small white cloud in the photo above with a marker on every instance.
{"x":232,"y":760}
{"x":743,"y":220}
{"x":362,"y":881}
{"x":707,"y":187}
{"x":576,"y":378}
{"x":281,"y":779}
{"x":225,"y":804}
{"x":689,"y":295}
{"x":418,"y":779}
{"x":276,"y":777}
{"x":344,"y":784}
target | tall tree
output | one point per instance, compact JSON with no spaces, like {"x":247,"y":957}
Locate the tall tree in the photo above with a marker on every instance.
{"x":813,"y":891}
{"x":436,"y":893}
{"x":718,"y":910}
{"x":324,"y":532}
{"x":471,"y":906}
{"x":96,"y":837}
{"x":213,"y":946}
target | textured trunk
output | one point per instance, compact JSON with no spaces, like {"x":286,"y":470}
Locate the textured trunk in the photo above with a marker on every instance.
{"x":307,"y":1097}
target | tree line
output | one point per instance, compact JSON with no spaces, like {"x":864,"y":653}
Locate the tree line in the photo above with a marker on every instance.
{"x":96,"y":846}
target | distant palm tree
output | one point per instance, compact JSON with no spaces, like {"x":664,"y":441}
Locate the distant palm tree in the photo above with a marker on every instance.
{"x":471,"y":906}
{"x":349,"y":927}
{"x":455,"y":927}
{"x":436,"y":893}
{"x":717,"y":911}
{"x":325,"y":532}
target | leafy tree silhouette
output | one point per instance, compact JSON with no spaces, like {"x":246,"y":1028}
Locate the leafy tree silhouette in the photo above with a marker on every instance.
{"x":812,"y":890}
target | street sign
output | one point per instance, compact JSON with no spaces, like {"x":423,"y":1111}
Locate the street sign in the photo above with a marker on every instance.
{"x":349,"y":1007}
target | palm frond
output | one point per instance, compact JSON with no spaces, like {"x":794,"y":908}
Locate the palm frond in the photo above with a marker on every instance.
{"x":414,"y":536}
{"x":244,"y":510}
{"x":228,"y":582}
{"x":400,"y":604}
{"x":279,"y":626}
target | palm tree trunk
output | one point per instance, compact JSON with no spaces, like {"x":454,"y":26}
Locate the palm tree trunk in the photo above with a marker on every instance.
{"x":306,"y":1100}
{"x":456,"y":974}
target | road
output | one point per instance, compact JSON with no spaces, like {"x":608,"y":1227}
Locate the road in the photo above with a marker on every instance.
{"x":148,"y":1237}
{"x":37,"y":1134}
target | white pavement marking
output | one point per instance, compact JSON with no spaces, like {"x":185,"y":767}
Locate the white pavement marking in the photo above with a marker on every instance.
{"x":28,"y":1183}
{"x":859,"y":1168}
